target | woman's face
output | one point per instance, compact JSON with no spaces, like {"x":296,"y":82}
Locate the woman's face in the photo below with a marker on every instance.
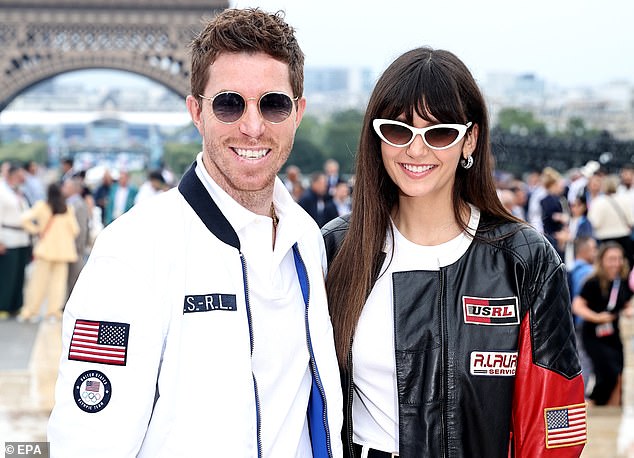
{"x":422,"y":172}
{"x":612,"y":262}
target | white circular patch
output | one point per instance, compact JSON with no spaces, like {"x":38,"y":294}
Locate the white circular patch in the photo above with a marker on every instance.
{"x":92,"y":391}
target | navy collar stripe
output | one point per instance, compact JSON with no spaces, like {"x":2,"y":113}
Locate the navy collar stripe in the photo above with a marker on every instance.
{"x":199,"y":199}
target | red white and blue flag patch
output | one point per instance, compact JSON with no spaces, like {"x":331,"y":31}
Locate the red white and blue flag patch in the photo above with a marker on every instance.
{"x":103,"y":342}
{"x":502,"y":311}
{"x":565,"y":426}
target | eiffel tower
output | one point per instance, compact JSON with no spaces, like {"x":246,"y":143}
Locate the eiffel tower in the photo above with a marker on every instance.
{"x":40,"y":39}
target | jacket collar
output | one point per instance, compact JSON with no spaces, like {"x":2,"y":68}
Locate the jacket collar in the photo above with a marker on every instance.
{"x":207,"y":210}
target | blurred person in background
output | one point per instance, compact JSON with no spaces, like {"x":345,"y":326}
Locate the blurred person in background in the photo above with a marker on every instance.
{"x":153,"y":185}
{"x":341,"y":198}
{"x":612,"y":217}
{"x":102,"y":193}
{"x":603,"y":296}
{"x":421,"y":273}
{"x":594,"y":186}
{"x":578,"y":226}
{"x":554,"y":211}
{"x":66,"y":170}
{"x":15,"y":242}
{"x":534,"y":212}
{"x":331,"y":169}
{"x":72,"y":189}
{"x":53,"y":222}
{"x":626,"y":176}
{"x":316,"y":201}
{"x":292,"y":177}
{"x":120,"y":197}
{"x":520,"y":193}
{"x":585,"y":248}
{"x":33,"y":186}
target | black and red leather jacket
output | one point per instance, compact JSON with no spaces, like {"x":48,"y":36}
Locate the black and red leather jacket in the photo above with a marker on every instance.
{"x":486,"y":358}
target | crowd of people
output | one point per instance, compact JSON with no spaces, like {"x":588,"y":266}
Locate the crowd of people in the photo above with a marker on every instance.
{"x":49,"y":220}
{"x":587,"y":214}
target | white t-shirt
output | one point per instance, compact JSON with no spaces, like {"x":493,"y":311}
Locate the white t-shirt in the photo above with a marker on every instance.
{"x":375,"y":400}
{"x":280,"y":359}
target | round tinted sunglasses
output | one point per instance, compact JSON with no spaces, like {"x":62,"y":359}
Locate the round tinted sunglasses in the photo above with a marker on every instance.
{"x":438,"y":137}
{"x":229,"y":106}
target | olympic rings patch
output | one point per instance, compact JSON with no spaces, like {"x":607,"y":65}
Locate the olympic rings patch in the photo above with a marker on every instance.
{"x":92,"y":391}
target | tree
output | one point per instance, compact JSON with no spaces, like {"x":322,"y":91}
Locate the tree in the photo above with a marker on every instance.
{"x":516,"y":121}
{"x":179,"y":156}
{"x":22,"y":152}
{"x":341,"y":138}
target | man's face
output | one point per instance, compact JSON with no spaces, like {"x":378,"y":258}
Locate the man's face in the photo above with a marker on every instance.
{"x":245,"y":156}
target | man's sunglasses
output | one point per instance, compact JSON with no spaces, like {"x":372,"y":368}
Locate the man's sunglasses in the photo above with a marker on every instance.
{"x":438,"y":137}
{"x":229,"y":107}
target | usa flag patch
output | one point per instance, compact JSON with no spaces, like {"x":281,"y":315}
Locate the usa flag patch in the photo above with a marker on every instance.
{"x":565,"y":426}
{"x":103,"y":342}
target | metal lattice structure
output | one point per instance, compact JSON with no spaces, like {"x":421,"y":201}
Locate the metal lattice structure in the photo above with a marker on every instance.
{"x":40,"y":39}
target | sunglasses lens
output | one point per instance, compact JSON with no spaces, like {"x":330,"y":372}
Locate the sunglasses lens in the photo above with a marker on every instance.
{"x":395,"y":134}
{"x":228,"y":106}
{"x":276,"y":107}
{"x":441,"y":136}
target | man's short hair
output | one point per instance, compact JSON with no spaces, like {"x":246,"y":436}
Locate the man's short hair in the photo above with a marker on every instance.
{"x":251,"y":31}
{"x":581,"y":242}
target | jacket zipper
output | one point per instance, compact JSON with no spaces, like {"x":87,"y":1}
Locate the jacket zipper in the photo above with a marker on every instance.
{"x":255,"y":383}
{"x":443,"y":369}
{"x":350,"y":394}
{"x":313,"y":364}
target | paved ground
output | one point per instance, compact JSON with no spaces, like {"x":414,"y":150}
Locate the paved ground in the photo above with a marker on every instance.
{"x":30,"y":355}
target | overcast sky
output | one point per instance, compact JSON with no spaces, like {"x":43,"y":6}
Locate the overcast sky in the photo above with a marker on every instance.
{"x":566,"y":42}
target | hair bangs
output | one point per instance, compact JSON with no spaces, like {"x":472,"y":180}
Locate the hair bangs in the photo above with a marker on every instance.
{"x":427,"y":91}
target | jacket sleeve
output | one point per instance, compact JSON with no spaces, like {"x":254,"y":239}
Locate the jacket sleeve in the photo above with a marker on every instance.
{"x":112,"y":340}
{"x":549,"y":411}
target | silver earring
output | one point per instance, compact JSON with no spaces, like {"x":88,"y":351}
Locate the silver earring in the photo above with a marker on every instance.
{"x":466,"y":163}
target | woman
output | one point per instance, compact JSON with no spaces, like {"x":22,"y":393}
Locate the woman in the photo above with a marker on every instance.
{"x":452,"y":320}
{"x":612,"y":218}
{"x":55,"y":224}
{"x":603,"y":296}
{"x":579,"y":226}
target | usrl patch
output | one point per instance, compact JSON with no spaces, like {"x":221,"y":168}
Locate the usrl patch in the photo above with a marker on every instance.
{"x":92,"y":391}
{"x":103,"y":342}
{"x":565,"y":426}
{"x":493,"y":363}
{"x":502,"y":311}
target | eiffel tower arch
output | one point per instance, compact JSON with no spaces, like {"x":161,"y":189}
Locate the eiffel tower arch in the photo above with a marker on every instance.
{"x":40,"y":39}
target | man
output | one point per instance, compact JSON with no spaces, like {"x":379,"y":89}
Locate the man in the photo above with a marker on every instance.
{"x":121,"y":197}
{"x":341,"y":198}
{"x":199,"y":325}
{"x":66,"y":170}
{"x":72,"y":189}
{"x":33,"y":187}
{"x":15,"y":243}
{"x":316,"y":200}
{"x":331,"y":169}
{"x":155,"y":184}
{"x":585,"y":256}
{"x":102,"y":193}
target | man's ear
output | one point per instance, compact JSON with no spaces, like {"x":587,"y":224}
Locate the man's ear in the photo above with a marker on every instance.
{"x":195,"y":111}
{"x":301,"y":107}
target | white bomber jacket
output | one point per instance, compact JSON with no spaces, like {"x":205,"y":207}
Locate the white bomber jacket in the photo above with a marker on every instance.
{"x":157,"y":339}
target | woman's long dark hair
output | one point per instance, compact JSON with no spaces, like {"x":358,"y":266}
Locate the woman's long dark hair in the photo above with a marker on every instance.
{"x":56,"y":199}
{"x":437,"y":86}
